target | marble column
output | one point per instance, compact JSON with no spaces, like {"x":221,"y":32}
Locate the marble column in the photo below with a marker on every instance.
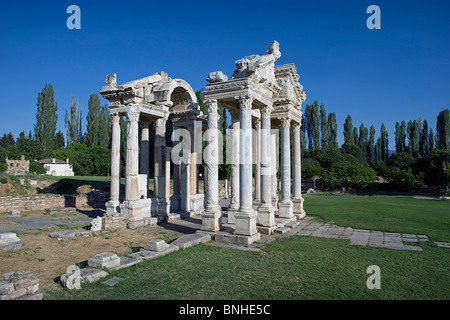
{"x":234,"y":203}
{"x":297,"y":198}
{"x":132,"y":160}
{"x":144,"y":162}
{"x":274,"y":160}
{"x":266,"y":211}
{"x":113,"y":203}
{"x":212,"y":216}
{"x":161,"y":168}
{"x":257,"y":199}
{"x":246,"y":216}
{"x":285,"y":206}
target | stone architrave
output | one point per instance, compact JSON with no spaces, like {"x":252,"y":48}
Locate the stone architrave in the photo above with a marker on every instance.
{"x":285,"y":206}
{"x":212,"y":215}
{"x":246,"y":216}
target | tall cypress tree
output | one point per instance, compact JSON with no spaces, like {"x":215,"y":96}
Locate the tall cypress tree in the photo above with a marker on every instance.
{"x":333,"y":143}
{"x":348,"y":130}
{"x":46,"y":119}
{"x":371,"y":145}
{"x":423,"y":142}
{"x":384,"y":143}
{"x":71,"y":123}
{"x":324,"y":128}
{"x":443,"y":130}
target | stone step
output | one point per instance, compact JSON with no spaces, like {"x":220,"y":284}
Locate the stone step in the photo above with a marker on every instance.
{"x":282,"y":230}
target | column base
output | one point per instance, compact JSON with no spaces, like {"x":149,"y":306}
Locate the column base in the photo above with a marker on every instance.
{"x":112,"y":207}
{"x":237,"y":239}
{"x":298,"y":207}
{"x":163,"y":209}
{"x":275,"y":202}
{"x":256,"y":204}
{"x":285,"y":209}
{"x":232,"y":209}
{"x":136,"y":210}
{"x":212,"y":219}
{"x":266,"y":216}
{"x":245,"y":222}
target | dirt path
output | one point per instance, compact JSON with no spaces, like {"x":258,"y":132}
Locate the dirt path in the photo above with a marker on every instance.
{"x":49,"y":258}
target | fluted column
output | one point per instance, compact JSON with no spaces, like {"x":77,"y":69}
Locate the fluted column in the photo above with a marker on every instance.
{"x":132,"y":160}
{"x":234,"y":204}
{"x":145,"y":152}
{"x":297,"y":198}
{"x":162,"y":183}
{"x":257,"y":199}
{"x":274,"y":160}
{"x":285,"y":207}
{"x":266,"y":211}
{"x":111,"y":206}
{"x":245,"y":217}
{"x":212,"y":216}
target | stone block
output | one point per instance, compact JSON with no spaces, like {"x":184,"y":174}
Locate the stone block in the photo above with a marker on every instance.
{"x":282,"y":230}
{"x":156,"y":245}
{"x":189,"y":240}
{"x":63,"y":235}
{"x":86,"y":275}
{"x":104,"y":260}
{"x":113,"y":281}
{"x":125,"y":262}
{"x":147,"y":255}
{"x":9,"y":240}
{"x":241,"y":240}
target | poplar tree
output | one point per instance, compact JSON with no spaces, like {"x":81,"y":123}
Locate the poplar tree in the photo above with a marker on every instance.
{"x":443,"y":130}
{"x":333,"y":143}
{"x":71,"y":123}
{"x":46,"y":119}
{"x":348,"y":130}
{"x":324,"y":128}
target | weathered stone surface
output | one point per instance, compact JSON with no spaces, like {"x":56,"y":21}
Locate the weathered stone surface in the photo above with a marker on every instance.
{"x":189,"y":240}
{"x":156,"y":245}
{"x":86,"y":275}
{"x":20,"y":286}
{"x":9,"y":240}
{"x":14,"y":213}
{"x":443,"y":244}
{"x":147,"y":255}
{"x":63,"y":235}
{"x":104,"y":260}
{"x":113,"y":281}
{"x":216,"y":76}
{"x":125,"y":262}
{"x":282,"y":230}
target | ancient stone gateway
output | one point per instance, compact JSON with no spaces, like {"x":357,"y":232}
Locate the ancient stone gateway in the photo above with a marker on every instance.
{"x":258,"y":93}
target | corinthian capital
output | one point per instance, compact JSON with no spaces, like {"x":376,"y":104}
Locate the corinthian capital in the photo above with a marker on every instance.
{"x":296,"y":127}
{"x":266,"y":111}
{"x":212,"y":106}
{"x":285,"y":122}
{"x":133,"y":115}
{"x":115,"y":117}
{"x":245,"y":101}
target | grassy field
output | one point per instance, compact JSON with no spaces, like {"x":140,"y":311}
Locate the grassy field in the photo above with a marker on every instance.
{"x":299,"y":267}
{"x":385,"y":213}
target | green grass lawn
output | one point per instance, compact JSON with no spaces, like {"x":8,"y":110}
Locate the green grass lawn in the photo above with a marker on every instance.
{"x":403,"y":214}
{"x":299,"y":267}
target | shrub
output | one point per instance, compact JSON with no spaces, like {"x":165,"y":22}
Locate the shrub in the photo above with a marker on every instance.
{"x":37,"y":168}
{"x":400,"y":179}
{"x":401,"y":160}
{"x":346,"y":173}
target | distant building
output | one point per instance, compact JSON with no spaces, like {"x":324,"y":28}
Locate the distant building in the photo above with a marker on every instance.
{"x":21,"y":165}
{"x":57,"y":167}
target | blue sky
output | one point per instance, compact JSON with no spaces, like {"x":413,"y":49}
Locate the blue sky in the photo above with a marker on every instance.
{"x":400,"y":72}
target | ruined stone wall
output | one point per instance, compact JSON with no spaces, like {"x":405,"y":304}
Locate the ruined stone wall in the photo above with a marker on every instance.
{"x":50,"y":201}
